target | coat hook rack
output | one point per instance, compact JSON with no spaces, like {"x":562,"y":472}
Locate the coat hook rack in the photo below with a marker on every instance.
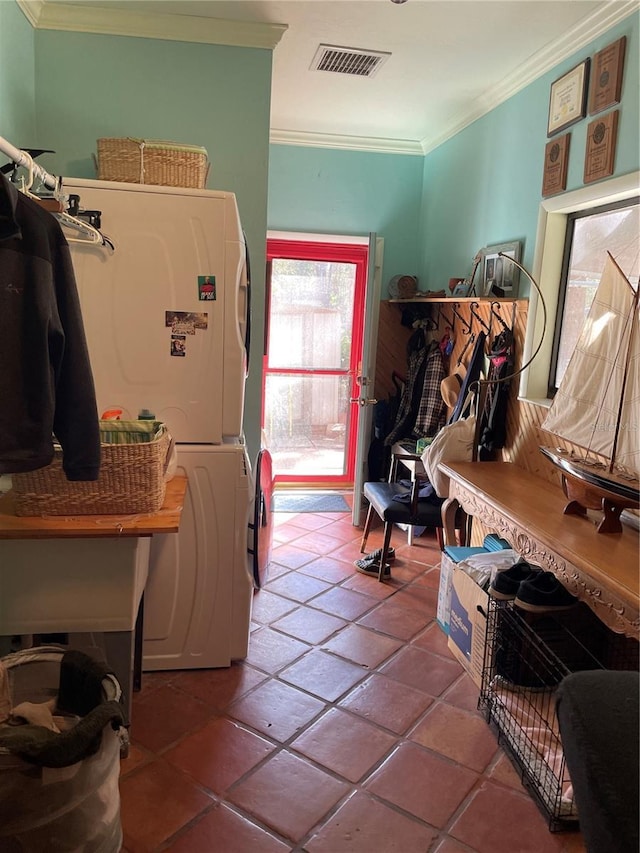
{"x":442,"y":316}
{"x":495,"y":312}
{"x":466,"y":327}
{"x":470,"y":340}
{"x":478,"y":317}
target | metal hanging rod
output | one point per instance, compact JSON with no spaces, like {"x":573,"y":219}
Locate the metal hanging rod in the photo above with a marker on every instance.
{"x":22,"y":158}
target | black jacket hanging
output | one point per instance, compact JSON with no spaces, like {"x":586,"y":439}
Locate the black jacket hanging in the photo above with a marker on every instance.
{"x":494,"y":422}
{"x":472,"y":376}
{"x":46,"y":384}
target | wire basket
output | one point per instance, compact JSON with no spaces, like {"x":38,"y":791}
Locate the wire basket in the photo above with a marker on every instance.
{"x":152,"y":161}
{"x":134,"y":457}
{"x":526,"y":658}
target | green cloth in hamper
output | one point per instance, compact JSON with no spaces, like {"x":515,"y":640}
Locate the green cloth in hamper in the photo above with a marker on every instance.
{"x":129,"y":432}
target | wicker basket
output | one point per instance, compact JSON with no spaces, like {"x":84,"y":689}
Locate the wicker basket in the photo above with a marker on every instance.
{"x":131,"y":481}
{"x":152,"y":161}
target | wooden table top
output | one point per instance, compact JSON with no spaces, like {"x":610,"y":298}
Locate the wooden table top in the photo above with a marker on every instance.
{"x":166,"y":520}
{"x":528,"y":511}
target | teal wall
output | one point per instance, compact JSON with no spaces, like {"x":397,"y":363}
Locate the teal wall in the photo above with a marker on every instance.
{"x":351,"y":193}
{"x":481,"y":187}
{"x":484,"y":186}
{"x":17,"y":83}
{"x":88,"y":86}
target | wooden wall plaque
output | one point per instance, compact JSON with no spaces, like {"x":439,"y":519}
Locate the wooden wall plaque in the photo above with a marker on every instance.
{"x":556,"y":161}
{"x":601,"y":147}
{"x":606,"y":76}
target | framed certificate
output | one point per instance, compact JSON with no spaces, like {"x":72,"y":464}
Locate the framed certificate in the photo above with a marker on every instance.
{"x":568,"y":99}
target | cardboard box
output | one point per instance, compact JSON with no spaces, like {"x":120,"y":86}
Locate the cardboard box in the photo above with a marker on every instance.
{"x":450,"y":556}
{"x":468,"y":623}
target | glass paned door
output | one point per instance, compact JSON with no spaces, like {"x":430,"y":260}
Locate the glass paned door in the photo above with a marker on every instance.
{"x":314,"y":341}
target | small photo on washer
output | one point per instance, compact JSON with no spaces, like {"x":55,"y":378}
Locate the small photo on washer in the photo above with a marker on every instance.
{"x":178,"y":345}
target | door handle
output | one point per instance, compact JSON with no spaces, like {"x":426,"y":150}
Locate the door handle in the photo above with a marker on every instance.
{"x":362,"y":401}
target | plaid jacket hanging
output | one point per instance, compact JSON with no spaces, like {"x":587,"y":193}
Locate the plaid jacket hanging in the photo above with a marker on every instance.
{"x":421,"y":407}
{"x":432,"y":410}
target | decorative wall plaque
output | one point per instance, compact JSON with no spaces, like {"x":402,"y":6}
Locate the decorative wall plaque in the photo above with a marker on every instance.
{"x":601,"y":147}
{"x":556,"y":161}
{"x":606,"y":76}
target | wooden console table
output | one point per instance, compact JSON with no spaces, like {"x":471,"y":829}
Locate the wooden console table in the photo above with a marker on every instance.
{"x":601,"y":569}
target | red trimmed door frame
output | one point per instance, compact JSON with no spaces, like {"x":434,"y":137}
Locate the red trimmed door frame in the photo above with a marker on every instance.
{"x":357,"y":254}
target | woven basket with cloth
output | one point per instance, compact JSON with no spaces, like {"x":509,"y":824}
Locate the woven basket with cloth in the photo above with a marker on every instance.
{"x":134,"y":460}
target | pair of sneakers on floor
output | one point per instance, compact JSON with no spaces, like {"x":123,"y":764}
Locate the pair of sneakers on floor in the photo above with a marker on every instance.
{"x":370,"y":563}
{"x":531,"y":588}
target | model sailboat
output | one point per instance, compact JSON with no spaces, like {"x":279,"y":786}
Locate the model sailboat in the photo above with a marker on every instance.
{"x":597,"y":407}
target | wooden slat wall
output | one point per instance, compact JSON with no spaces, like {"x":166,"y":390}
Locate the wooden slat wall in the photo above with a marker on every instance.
{"x":523,"y":419}
{"x":391,"y":352}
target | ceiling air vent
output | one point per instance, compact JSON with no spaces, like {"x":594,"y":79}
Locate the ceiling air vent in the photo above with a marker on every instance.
{"x":348,"y":60}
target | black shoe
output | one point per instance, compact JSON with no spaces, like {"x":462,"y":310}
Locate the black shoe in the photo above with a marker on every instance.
{"x":373,"y":570}
{"x":544,"y":592}
{"x":374,"y":557}
{"x":505,"y":584}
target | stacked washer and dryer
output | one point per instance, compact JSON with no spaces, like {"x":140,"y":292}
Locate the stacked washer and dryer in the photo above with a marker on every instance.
{"x":166,"y":317}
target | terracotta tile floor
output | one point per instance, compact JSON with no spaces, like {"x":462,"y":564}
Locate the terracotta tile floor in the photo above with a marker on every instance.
{"x":350,"y":726}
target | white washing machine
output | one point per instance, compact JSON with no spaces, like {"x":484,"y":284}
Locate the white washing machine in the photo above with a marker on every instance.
{"x":197,"y":601}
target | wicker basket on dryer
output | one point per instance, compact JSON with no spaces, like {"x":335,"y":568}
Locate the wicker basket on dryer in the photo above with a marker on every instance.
{"x":152,"y":161}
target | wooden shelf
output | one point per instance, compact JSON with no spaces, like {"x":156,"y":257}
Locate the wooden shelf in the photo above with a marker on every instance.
{"x":166,"y":520}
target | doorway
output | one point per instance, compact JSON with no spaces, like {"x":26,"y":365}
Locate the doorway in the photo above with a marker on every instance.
{"x":313,"y":351}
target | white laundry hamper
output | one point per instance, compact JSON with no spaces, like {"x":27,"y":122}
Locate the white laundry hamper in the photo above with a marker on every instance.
{"x":73,"y":809}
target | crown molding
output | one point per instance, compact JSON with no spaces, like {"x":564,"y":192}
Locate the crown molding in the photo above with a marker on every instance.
{"x":57,"y":16}
{"x":544,"y":60}
{"x":345,"y":143}
{"x":121,"y":22}
{"x":31,"y":9}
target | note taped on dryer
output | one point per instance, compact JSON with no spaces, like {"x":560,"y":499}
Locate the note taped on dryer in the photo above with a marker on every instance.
{"x":185,"y":322}
{"x":206,"y":288}
{"x":178,"y":345}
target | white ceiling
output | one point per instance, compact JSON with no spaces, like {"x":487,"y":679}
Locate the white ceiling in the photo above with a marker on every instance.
{"x":451,"y":60}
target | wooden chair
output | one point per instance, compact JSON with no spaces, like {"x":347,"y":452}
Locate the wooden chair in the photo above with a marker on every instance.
{"x":412,"y":511}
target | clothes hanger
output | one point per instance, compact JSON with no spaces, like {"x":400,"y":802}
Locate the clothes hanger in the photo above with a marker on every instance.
{"x":53,"y":204}
{"x":90,"y":234}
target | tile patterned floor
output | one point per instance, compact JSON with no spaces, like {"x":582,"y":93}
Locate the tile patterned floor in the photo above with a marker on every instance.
{"x":350,"y":728}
